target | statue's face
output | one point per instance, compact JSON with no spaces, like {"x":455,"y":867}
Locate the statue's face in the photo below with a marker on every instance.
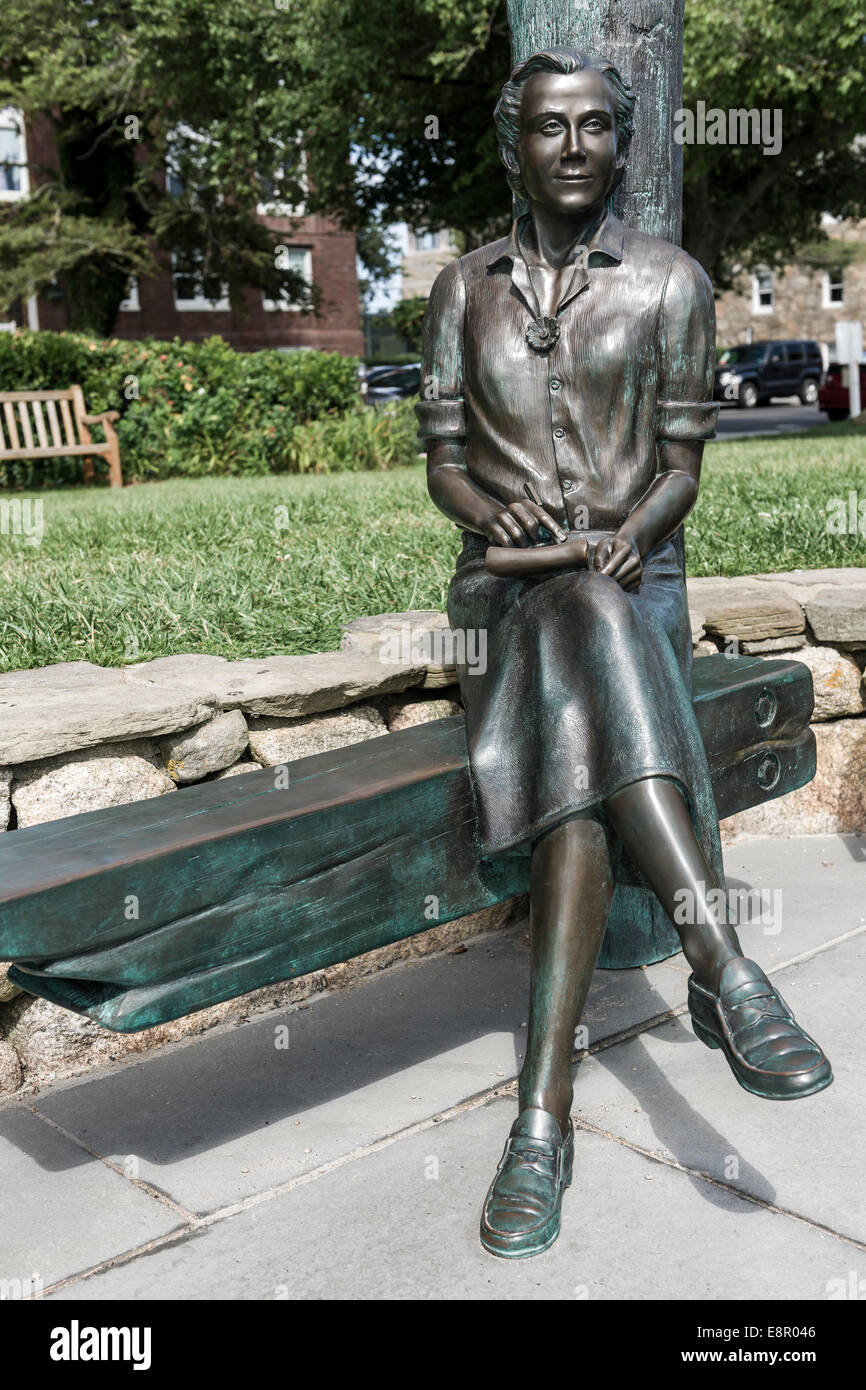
{"x":567,"y":151}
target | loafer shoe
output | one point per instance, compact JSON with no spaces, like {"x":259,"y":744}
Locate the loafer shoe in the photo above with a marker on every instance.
{"x":767,"y":1050}
{"x":521,"y":1214}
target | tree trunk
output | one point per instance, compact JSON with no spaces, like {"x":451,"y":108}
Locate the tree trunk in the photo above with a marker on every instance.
{"x":644,"y":40}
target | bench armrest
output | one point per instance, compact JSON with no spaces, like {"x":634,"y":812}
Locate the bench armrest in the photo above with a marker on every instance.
{"x":100,"y":419}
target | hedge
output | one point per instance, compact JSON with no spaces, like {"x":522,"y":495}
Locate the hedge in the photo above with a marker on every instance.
{"x":187,"y":409}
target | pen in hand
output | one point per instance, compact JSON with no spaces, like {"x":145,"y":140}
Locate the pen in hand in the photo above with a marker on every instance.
{"x":559,"y":535}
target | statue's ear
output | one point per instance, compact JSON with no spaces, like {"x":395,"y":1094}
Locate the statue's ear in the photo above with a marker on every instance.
{"x":508,"y":155}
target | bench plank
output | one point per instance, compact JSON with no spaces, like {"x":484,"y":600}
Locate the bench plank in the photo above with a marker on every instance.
{"x":11,"y":427}
{"x":24,"y":417}
{"x":66,"y":416}
{"x":39,"y":421}
{"x":53,"y":422}
{"x":245,"y":882}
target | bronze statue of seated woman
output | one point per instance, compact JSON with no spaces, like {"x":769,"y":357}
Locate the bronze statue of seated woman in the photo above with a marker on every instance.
{"x":565,"y":400}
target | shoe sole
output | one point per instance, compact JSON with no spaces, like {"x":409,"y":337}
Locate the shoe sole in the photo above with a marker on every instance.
{"x":710,"y":1040}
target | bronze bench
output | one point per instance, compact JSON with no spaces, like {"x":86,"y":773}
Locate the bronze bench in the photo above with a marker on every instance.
{"x":242,"y":883}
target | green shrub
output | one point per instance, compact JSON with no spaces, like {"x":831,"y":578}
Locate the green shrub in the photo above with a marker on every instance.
{"x":360,"y":439}
{"x":186,"y":408}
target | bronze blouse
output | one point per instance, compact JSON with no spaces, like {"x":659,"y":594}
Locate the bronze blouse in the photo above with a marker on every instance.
{"x":633,"y":365}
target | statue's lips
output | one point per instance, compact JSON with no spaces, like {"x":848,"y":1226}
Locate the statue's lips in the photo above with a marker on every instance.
{"x":573,"y":178}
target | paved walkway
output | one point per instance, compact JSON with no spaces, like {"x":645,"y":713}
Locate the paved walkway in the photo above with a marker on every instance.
{"x":343,"y":1149}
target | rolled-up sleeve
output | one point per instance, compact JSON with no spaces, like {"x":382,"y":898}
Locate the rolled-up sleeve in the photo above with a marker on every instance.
{"x":687,"y":342}
{"x":440,"y":408}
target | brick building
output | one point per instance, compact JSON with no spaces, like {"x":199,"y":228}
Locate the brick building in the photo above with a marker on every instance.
{"x":175,"y":302}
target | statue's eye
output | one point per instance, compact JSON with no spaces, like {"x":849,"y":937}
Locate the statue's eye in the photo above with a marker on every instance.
{"x":551,"y":128}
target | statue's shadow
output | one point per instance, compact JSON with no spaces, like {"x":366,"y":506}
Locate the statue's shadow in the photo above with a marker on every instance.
{"x":683,"y":1132}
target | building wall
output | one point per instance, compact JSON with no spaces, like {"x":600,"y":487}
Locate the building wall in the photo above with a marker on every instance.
{"x":798,"y":310}
{"x":420,"y":268}
{"x":336,"y":327}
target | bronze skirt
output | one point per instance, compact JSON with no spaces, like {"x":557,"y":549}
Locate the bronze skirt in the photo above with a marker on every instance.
{"x":582,"y":689}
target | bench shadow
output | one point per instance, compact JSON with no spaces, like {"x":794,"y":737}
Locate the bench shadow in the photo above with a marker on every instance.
{"x":239,"y":1080}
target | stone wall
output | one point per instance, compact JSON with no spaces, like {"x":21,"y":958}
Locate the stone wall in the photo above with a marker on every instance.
{"x":77,"y":737}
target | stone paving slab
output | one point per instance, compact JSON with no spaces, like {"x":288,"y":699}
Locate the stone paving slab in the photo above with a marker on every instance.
{"x":667,"y":1092}
{"x":234,"y":1113}
{"x":814,"y":888}
{"x":402,"y":1223}
{"x":61,"y":1210}
{"x":363,"y":1065}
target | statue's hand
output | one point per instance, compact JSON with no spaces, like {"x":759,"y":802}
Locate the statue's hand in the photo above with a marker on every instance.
{"x":518,"y":524}
{"x":619,"y":557}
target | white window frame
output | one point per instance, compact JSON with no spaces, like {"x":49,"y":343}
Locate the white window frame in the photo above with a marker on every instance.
{"x":282,"y":305}
{"x":827,"y":284}
{"x":12,"y":118}
{"x":199,"y":303}
{"x":131,"y":304}
{"x":757,"y":306}
{"x":280,"y":209}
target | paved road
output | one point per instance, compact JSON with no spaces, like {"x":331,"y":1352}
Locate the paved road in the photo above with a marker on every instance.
{"x":354,"y":1163}
{"x":781,"y":417}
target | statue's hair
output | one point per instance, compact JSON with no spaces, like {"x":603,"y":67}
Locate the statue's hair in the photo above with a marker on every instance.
{"x":564,"y":60}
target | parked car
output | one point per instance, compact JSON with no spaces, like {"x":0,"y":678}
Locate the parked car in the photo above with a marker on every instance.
{"x":833,"y":396}
{"x":392,"y":383}
{"x":753,"y":373}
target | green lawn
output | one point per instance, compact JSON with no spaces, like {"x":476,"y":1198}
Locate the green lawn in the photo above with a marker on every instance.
{"x":202,"y":566}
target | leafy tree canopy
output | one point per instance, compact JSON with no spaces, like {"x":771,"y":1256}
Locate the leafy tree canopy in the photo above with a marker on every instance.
{"x":395,"y":104}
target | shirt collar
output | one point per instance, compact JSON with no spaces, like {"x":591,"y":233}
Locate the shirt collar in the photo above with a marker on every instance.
{"x":607,"y":239}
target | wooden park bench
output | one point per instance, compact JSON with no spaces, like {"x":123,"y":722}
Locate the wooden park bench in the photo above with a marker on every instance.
{"x":55,"y":424}
{"x":146,"y":912}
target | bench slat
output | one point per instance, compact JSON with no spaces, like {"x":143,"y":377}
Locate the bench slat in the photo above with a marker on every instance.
{"x":53,"y":422}
{"x":24,"y":417}
{"x":36,"y":407}
{"x":66,"y":416}
{"x":54,"y":452}
{"x":242,"y":883}
{"x":16,"y":396}
{"x":11,"y":427}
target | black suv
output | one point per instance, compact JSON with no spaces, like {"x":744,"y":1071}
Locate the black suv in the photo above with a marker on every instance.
{"x":754,"y":372}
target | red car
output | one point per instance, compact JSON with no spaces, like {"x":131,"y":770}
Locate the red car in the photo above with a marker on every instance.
{"x":833,"y":392}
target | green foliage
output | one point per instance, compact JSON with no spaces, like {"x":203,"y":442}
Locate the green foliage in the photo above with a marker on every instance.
{"x":740,"y":205}
{"x":362,"y":439}
{"x":446,"y":61}
{"x":186,"y":408}
{"x":408,"y":318}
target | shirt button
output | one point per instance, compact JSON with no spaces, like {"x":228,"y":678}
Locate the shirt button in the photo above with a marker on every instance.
{"x":555,"y":384}
{"x":559,"y":434}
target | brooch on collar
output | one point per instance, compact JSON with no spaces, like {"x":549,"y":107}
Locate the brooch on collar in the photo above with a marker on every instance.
{"x":542,"y":334}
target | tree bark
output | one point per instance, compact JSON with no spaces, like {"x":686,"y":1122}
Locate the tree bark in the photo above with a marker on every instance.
{"x":644,"y":40}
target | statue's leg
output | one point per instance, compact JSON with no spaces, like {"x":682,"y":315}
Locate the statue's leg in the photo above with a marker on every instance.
{"x":571,"y":891}
{"x":570,"y":897}
{"x":653,"y":822}
{"x":733,"y":1005}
